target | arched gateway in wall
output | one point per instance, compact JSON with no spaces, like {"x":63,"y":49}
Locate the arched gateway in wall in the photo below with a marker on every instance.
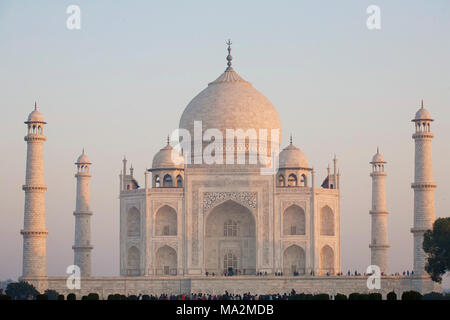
{"x":230,"y":239}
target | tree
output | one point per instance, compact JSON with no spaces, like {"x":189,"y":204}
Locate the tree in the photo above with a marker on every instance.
{"x":21,"y":290}
{"x":436,"y":243}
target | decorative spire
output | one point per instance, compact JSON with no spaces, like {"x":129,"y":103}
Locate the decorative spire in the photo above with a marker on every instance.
{"x":421,"y":104}
{"x":35,"y":105}
{"x":291,"y":139}
{"x":378,"y":150}
{"x":82,"y":151}
{"x":229,"y":57}
{"x":168,"y":140}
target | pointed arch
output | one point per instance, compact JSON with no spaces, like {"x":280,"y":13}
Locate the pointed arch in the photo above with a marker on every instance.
{"x":304,"y":180}
{"x":230,"y":227}
{"x":292,"y":180}
{"x":294,"y":221}
{"x":133,"y":261}
{"x":157,"y":181}
{"x":166,"y":261}
{"x":281,"y":181}
{"x":294,"y":260}
{"x":326,"y":221}
{"x":166,"y":221}
{"x":179,"y":181}
{"x":326,"y":260}
{"x":168,"y":181}
{"x":133,"y":222}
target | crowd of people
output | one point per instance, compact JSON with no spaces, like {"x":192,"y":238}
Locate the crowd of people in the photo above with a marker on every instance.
{"x":296,"y":273}
{"x":225,"y":296}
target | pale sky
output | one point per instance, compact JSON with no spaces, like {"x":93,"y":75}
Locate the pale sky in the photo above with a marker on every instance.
{"x":119,"y":85}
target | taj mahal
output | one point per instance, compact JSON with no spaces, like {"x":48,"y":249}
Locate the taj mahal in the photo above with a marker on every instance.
{"x":207,"y":217}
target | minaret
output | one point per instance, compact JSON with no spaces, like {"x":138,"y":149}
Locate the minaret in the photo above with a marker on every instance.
{"x":423,"y":185}
{"x":335,"y":184}
{"x":34,"y":231}
{"x":124,"y":172}
{"x":379,"y":243}
{"x":82,"y":247}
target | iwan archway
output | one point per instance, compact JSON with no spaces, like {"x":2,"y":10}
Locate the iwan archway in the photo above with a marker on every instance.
{"x":230,"y":240}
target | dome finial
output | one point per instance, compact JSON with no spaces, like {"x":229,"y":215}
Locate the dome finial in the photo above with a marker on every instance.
{"x":168,"y":140}
{"x":378,"y":149}
{"x":421,"y":104}
{"x":229,"y":57}
{"x":291,"y":138}
{"x":35,"y":105}
{"x":83,"y":151}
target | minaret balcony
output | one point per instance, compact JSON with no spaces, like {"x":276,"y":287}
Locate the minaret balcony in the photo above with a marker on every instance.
{"x":423,"y":135}
{"x":423,"y":185}
{"x":378,"y":212}
{"x":34,"y":187}
{"x":35,"y":138}
{"x":34,"y":233}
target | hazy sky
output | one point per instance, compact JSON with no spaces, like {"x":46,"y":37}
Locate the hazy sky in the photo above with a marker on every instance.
{"x":119,"y":85}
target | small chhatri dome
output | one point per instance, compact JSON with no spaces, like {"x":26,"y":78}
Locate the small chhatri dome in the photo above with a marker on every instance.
{"x":422,"y":114}
{"x":292,"y":157}
{"x":168,"y":158}
{"x":35,"y":115}
{"x":377,"y":158}
{"x":83,"y":159}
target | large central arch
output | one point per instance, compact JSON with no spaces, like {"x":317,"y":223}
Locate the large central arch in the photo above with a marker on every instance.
{"x":230,"y":231}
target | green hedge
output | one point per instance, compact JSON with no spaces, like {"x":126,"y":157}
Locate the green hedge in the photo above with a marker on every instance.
{"x":411,"y":295}
{"x":391,"y":296}
{"x":117,"y":297}
{"x":71,"y":296}
{"x":93,"y":296}
{"x":358,"y":296}
{"x":375,"y":296}
{"x":340,"y":296}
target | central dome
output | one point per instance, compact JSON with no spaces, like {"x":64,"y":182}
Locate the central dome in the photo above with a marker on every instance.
{"x":230,"y":102}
